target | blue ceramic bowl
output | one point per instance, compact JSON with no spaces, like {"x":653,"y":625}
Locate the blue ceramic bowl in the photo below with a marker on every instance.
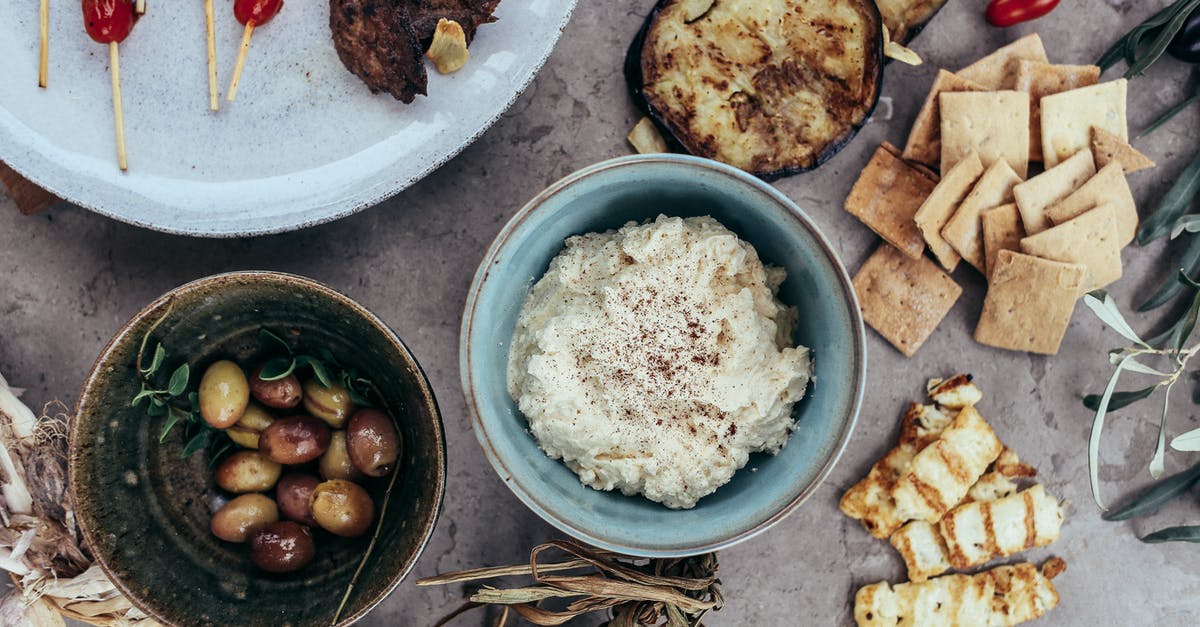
{"x":606,"y":196}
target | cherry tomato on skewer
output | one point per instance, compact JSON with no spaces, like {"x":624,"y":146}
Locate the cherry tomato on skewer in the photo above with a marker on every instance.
{"x":108,"y":21}
{"x":261,"y":11}
{"x":1009,"y":12}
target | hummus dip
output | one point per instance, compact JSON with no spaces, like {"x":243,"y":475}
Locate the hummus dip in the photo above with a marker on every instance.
{"x":654,"y":359}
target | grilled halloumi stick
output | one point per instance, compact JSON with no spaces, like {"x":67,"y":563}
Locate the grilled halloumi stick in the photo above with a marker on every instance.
{"x":998,"y":523}
{"x":1001,"y":597}
{"x":956,"y":392}
{"x":940,"y":475}
{"x":1021,"y":592}
{"x":870,"y":499}
{"x":948,"y":601}
{"x":923,"y":549}
{"x":978,"y":532}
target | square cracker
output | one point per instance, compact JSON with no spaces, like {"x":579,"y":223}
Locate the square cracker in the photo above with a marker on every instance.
{"x":941,"y":204}
{"x":925,"y":139}
{"x":1042,"y":79}
{"x":1029,"y":303}
{"x":1107,"y":187}
{"x":993,"y":123}
{"x":1002,"y":230}
{"x":1068,"y":118}
{"x":1108,"y":148}
{"x":993,"y":189}
{"x":886,"y":197}
{"x":904,"y":299}
{"x":998,"y":70}
{"x":1089,"y":239}
{"x":1040,"y":192}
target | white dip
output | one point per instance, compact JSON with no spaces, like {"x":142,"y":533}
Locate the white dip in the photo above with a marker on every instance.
{"x":656,"y":358}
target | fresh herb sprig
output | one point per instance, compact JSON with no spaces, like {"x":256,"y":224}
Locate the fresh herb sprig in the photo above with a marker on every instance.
{"x":175,"y":402}
{"x":325,"y":368}
{"x":1170,"y":347}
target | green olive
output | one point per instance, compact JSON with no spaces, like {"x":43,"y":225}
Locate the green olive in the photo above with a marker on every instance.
{"x":372,"y":442}
{"x":342,"y":508}
{"x":280,"y":394}
{"x":282,"y":547}
{"x":247,"y":471}
{"x":335,"y":463}
{"x":331,"y":404}
{"x":224,"y":394}
{"x":254,"y":420}
{"x":243,"y":516}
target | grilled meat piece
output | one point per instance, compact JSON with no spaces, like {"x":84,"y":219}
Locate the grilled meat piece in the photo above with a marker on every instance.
{"x":376,"y":40}
{"x":468,"y":13}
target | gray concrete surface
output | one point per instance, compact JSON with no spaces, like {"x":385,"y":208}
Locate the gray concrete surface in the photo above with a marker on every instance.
{"x":68,"y":279}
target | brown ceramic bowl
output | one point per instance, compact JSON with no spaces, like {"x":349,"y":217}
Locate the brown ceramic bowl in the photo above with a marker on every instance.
{"x":144,"y":509}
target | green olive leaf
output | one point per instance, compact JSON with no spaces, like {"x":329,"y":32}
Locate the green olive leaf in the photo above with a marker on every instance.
{"x":1162,"y":38}
{"x":1119,"y":399}
{"x":270,"y":338}
{"x":1189,"y":441}
{"x":277,"y":368}
{"x":1157,"y":495}
{"x":156,"y":410}
{"x":1158,"y":462}
{"x":1172,"y":112}
{"x":1189,"y":263}
{"x":194,"y":401}
{"x":179,"y":380}
{"x":1174,"y":534}
{"x":1174,"y":204}
{"x":1097,"y":429}
{"x":1102,"y":304}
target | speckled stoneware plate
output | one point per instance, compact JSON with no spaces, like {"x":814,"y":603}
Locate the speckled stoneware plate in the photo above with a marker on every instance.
{"x":605,"y":196}
{"x":144,"y":509}
{"x":305,"y":143}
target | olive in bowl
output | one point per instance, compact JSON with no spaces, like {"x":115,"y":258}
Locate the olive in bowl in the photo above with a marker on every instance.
{"x":294,"y":440}
{"x":126,"y":484}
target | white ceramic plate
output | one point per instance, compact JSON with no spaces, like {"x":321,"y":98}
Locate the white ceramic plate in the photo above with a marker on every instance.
{"x":305,"y":143}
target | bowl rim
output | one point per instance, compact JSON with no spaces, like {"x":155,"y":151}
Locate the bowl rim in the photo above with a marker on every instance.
{"x":502,"y":240}
{"x":90,"y":382}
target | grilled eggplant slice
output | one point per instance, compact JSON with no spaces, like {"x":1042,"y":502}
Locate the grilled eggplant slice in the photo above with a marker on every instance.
{"x":773,"y":87}
{"x":906,"y":18}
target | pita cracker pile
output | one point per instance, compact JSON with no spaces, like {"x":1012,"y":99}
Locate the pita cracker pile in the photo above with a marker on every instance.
{"x":1043,"y":235}
{"x":947,"y":498}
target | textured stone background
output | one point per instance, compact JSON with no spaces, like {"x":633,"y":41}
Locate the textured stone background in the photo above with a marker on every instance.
{"x":68,"y":279}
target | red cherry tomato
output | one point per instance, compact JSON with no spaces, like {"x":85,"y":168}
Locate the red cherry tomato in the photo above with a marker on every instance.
{"x":107,"y":21}
{"x":261,"y":11}
{"x":1008,"y":12}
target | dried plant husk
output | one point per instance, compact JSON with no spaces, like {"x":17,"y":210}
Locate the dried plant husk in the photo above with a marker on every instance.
{"x":636,"y":591}
{"x":40,"y":544}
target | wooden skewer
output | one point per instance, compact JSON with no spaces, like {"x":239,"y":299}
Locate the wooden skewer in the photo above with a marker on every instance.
{"x":213,"y":99}
{"x":140,"y":7}
{"x":44,"y":28}
{"x":241,"y":61}
{"x":118,"y":110}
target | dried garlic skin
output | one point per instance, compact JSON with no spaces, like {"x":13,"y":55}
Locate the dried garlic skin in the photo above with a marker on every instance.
{"x":646,"y":139}
{"x":449,"y":48}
